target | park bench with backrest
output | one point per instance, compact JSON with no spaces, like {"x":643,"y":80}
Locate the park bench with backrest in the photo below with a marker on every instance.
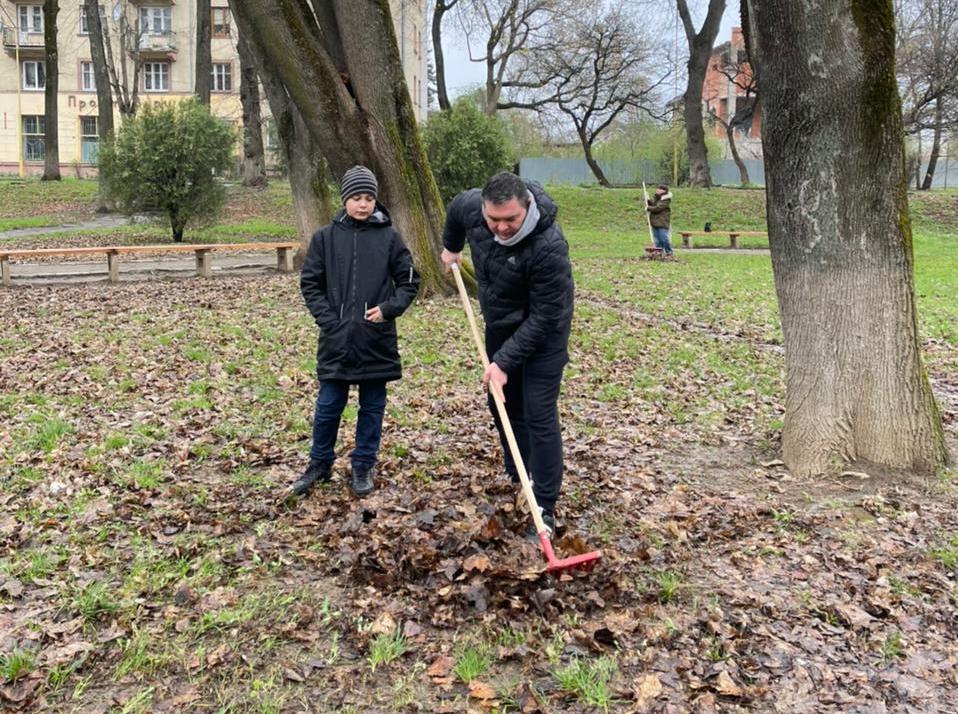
{"x":733,"y":236}
{"x":204,"y":268}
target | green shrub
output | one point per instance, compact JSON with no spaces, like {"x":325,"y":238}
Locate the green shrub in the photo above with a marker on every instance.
{"x":465,"y":148}
{"x":166,"y":159}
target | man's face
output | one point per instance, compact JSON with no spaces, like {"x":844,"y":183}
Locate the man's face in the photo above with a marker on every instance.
{"x":360,"y":206}
{"x":660,"y":191}
{"x":504,"y":219}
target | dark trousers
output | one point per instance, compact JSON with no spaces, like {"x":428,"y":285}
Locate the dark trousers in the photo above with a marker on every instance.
{"x":369,"y":424}
{"x":532,"y":396}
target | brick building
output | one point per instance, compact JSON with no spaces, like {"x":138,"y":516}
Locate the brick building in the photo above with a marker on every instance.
{"x":729,"y":91}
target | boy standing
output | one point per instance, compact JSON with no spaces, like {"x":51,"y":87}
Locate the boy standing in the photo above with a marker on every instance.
{"x":660,"y":216}
{"x":357,"y":279}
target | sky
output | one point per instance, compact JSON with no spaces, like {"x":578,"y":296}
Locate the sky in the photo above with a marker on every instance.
{"x":463,"y":75}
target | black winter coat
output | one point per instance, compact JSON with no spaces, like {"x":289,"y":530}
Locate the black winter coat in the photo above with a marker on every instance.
{"x":526,"y":290}
{"x":352,"y":266}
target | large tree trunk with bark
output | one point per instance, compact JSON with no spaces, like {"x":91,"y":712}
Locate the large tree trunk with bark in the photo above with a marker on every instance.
{"x":104,"y":96}
{"x":253,"y":169}
{"x":204,"y":57}
{"x":340,"y":68}
{"x":305,"y":164}
{"x":840,"y":238}
{"x":700,"y":49}
{"x":935,"y":147}
{"x":51,"y":141}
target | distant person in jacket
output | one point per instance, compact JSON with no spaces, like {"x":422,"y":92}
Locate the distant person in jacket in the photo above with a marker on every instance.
{"x":660,"y":216}
{"x":525,"y":291}
{"x":357,"y":279}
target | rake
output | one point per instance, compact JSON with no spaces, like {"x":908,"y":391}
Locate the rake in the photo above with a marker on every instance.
{"x":585,"y":561}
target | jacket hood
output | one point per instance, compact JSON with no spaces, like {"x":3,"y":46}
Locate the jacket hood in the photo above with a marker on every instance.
{"x":666,"y":196}
{"x":379,"y":217}
{"x":547,"y":207}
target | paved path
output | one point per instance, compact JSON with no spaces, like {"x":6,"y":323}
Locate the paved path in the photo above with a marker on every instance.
{"x":257,"y":263}
{"x":111,"y":220}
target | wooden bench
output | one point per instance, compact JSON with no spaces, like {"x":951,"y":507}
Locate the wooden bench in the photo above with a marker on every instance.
{"x":733,"y":236}
{"x":204,"y":267}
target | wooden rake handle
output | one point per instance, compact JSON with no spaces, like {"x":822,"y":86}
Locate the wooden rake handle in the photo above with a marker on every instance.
{"x":500,"y":407}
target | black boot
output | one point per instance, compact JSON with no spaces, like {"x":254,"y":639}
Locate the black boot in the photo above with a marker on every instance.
{"x":548,"y":517}
{"x":316,"y":471}
{"x":362,"y":482}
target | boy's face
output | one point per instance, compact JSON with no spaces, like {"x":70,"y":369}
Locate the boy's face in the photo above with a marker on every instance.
{"x":360,"y":206}
{"x":504,"y":219}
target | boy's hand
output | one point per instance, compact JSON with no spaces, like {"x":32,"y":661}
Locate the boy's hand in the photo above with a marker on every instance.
{"x":496,"y":379}
{"x":374,"y":314}
{"x":448,"y":258}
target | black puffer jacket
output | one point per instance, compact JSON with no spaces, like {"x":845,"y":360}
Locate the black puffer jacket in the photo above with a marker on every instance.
{"x":352,"y":266}
{"x":526,"y":290}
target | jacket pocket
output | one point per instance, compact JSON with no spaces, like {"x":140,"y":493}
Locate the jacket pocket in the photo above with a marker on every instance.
{"x":333,"y":344}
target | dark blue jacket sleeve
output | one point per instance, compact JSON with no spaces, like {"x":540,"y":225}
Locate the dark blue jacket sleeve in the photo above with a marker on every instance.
{"x":460,"y":217}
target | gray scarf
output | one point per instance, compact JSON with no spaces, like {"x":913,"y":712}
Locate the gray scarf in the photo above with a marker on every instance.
{"x":528,"y":225}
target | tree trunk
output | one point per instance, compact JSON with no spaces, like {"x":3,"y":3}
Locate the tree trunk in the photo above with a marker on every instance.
{"x":590,"y":160}
{"x":840,"y":237}
{"x":437,"y":14}
{"x":51,"y":141}
{"x":742,"y":170}
{"x":357,"y":111}
{"x":935,"y":147}
{"x":306,"y":166}
{"x":104,"y":97}
{"x":700,"y":50}
{"x":253,"y":169}
{"x":204,"y":58}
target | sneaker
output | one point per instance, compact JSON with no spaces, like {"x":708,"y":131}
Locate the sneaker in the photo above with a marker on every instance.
{"x":362,"y":481}
{"x":548,"y":517}
{"x":316,"y":471}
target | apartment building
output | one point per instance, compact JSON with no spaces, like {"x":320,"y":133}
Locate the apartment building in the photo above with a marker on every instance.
{"x":160,"y":34}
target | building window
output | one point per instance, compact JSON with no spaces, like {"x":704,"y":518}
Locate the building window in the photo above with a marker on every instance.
{"x":30,"y":17}
{"x":87,"y":77}
{"x":89,"y":140}
{"x":156,"y":76}
{"x":221,"y":79}
{"x":84,"y":23}
{"x":272,"y":139}
{"x":221,"y":22}
{"x":33,"y":128}
{"x":155,"y":21}
{"x":34,"y":74}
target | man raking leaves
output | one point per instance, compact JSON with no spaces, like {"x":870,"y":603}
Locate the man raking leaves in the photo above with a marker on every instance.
{"x":522,"y":266}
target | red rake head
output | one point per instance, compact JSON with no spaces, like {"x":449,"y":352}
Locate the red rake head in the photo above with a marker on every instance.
{"x":584,"y":562}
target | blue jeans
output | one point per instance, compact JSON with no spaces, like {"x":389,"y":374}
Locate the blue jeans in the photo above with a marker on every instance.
{"x":369,"y":424}
{"x":662,"y":239}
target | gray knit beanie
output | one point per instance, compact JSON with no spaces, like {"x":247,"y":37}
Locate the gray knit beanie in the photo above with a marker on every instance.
{"x":359,"y":179}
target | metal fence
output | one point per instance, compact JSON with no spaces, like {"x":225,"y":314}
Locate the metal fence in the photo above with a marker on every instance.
{"x":724,"y":173}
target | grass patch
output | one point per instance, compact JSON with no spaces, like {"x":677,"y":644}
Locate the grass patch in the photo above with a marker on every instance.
{"x":472,"y":662}
{"x":589,"y":680}
{"x":17,"y":664}
{"x":387,"y":647}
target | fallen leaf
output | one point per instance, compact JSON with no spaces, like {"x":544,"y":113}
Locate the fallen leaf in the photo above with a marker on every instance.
{"x":726,"y":686}
{"x":480,"y":690}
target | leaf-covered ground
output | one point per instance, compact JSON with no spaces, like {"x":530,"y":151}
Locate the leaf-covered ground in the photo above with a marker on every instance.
{"x":149,"y":560}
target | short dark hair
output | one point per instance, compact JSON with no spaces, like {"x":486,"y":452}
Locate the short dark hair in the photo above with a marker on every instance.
{"x":505,"y":186}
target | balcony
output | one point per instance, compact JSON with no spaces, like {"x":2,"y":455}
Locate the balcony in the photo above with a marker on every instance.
{"x":155,"y":46}
{"x":30,"y":43}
